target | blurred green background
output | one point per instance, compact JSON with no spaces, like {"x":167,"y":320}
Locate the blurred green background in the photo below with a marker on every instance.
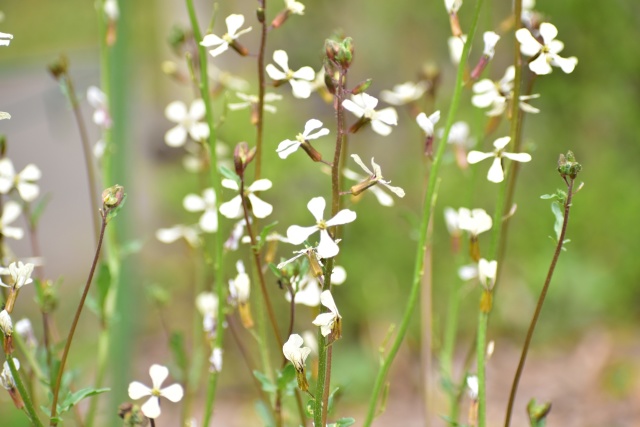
{"x":593,"y":111}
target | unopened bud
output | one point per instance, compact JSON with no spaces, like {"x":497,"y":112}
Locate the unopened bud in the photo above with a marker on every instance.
{"x":242,"y":156}
{"x":331,"y":50}
{"x":361,"y":87}
{"x":345,"y":56}
{"x":538,"y":412}
{"x":567,"y":166}
{"x":113,"y":196}
{"x":280,"y":18}
{"x":260,"y":14}
{"x":59,"y":67}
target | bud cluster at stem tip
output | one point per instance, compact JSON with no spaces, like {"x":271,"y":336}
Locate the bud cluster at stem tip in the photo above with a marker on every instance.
{"x":568,"y":166}
{"x":242,"y":156}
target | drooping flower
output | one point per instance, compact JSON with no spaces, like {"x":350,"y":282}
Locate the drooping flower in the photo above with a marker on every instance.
{"x":363,"y":106}
{"x":295,"y":353}
{"x":233,"y":208}
{"x":234,"y":22}
{"x":547,"y":51}
{"x":404,"y":93}
{"x":374,"y":178}
{"x":329,"y":323}
{"x":327,"y":248}
{"x":5,"y":39}
{"x":427,"y":124}
{"x":6,"y":378}
{"x":452,"y":6}
{"x":10,"y":212}
{"x":382,"y":196}
{"x":300,"y":80}
{"x":497,"y":94}
{"x":286,"y":147}
{"x":487,"y":271}
{"x":189,"y":233}
{"x":490,"y":41}
{"x":24,"y":181}
{"x":496,"y":174}
{"x":151,"y":408}
{"x":20,"y":275}
{"x":239,"y":291}
{"x":206,"y":204}
{"x":98,"y":100}
{"x":188,"y":123}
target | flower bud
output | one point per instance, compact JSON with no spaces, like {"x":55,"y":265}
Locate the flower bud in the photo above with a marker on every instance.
{"x":112,"y":197}
{"x":260,"y":14}
{"x":361,"y":87}
{"x":538,"y":412}
{"x":280,"y":18}
{"x":59,"y":67}
{"x":567,"y":166}
{"x":311,"y":152}
{"x":242,"y":156}
{"x":6,"y":326}
{"x":345,"y":55}
{"x":331,"y":50}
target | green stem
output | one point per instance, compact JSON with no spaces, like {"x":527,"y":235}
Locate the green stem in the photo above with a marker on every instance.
{"x":541,"y":299}
{"x":28,"y":404}
{"x":261,"y":88}
{"x":481,"y":351}
{"x":74,"y":324}
{"x":422,"y":243}
{"x":29,"y":356}
{"x":217,"y":188}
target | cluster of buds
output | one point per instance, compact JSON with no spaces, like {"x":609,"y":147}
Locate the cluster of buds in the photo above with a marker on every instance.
{"x":340,"y":54}
{"x":112,"y":201}
{"x":242,"y":156}
{"x":568,"y":167}
{"x":132,"y":415}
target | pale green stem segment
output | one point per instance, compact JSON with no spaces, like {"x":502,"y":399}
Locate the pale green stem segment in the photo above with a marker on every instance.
{"x":426,"y":217}
{"x":28,"y":404}
{"x":217,"y":188}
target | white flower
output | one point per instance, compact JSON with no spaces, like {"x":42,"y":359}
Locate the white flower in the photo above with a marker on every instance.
{"x":452,"y":221}
{"x":307,"y":291}
{"x":98,"y":100}
{"x":468,"y":272}
{"x":189,"y":233}
{"x":363,"y":106}
{"x":300,"y":80}
{"x":496,"y":174}
{"x":10,"y":212}
{"x":288,"y":146}
{"x":24,"y":328}
{"x":327,"y":248}
{"x":427,"y":124}
{"x":404,"y":93}
{"x":215,"y":360}
{"x":452,"y":6}
{"x":5,"y":39}
{"x":329,"y":322}
{"x":376,"y":176}
{"x":474,"y":221}
{"x":233,"y":208}
{"x":459,"y":134}
{"x":239,"y":288}
{"x":151,"y":408}
{"x":487,"y":273}
{"x":234,"y":22}
{"x":4,"y":115}
{"x":252,"y":101}
{"x":294,"y":7}
{"x":496,"y":94}
{"x":383,"y":197}
{"x":24,"y":182}
{"x":188,"y":122}
{"x":111,"y":9}
{"x":6,"y":326}
{"x":490,"y":40}
{"x":206,"y":204}
{"x":20,"y":275}
{"x":6,"y":378}
{"x":228,"y":80}
{"x":294,"y":352}
{"x":456,"y":46}
{"x":472,"y":383}
{"x":207,"y":305}
{"x":547,"y":52}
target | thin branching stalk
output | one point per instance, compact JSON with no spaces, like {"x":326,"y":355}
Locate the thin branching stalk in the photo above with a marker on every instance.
{"x":262,"y":10}
{"x":28,"y":404}
{"x":426,"y":217}
{"x":217,"y":189}
{"x":56,"y":389}
{"x":541,"y":299}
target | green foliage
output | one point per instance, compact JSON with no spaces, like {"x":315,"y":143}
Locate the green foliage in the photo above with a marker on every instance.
{"x":229,"y":174}
{"x":178,"y":350}
{"x":538,"y":413}
{"x":73,"y":399}
{"x":343,"y":422}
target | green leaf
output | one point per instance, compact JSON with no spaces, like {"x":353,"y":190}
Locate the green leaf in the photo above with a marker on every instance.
{"x":309,"y":408}
{"x":38,"y":210}
{"x":131,"y":247}
{"x":331,"y":399}
{"x":73,"y":398}
{"x":275,"y":270}
{"x":286,"y":380}
{"x":343,"y":422}
{"x":176,"y":343}
{"x":115,"y":211}
{"x":263,"y":234}
{"x":229,"y":174}
{"x":267,"y":385}
{"x":559,"y":216}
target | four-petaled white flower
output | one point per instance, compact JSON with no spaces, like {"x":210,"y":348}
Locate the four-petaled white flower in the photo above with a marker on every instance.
{"x":24,"y":182}
{"x":487,"y":273}
{"x":404,"y":93}
{"x":20,"y":275}
{"x":288,"y":146}
{"x":474,"y":221}
{"x":496,"y":174}
{"x":6,"y":378}
{"x":252,"y":101}
{"x":5,"y":39}
{"x":234,"y":22}
{"x":363,"y":106}
{"x":294,"y":352}
{"x":300,"y":80}
{"x":428,"y":123}
{"x":547,"y":52}
{"x":206,"y":204}
{"x":376,"y":177}
{"x":151,"y":408}
{"x":294,"y":7}
{"x":490,"y":40}
{"x":327,"y":248}
{"x":10,"y":213}
{"x":240,"y":287}
{"x":329,"y":322}
{"x":189,"y":233}
{"x":233,"y":208}
{"x":98,"y":100}
{"x":496,"y":94}
{"x":188,"y":122}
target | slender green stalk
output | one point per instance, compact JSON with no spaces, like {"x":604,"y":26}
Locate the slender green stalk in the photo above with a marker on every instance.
{"x":217,"y":188}
{"x":422,"y":243}
{"x":262,"y":10}
{"x":30,"y":357}
{"x":541,"y":298}
{"x":28,"y":404}
{"x":56,"y":389}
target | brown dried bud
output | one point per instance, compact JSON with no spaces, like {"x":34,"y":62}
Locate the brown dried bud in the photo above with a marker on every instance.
{"x":59,"y":67}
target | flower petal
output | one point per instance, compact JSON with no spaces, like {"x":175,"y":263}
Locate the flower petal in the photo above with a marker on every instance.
{"x":234,"y":22}
{"x":151,"y":408}
{"x":327,"y":248}
{"x":230,"y":184}
{"x":261,"y":209}
{"x":174,"y":392}
{"x":316,"y":206}
{"x":176,"y":111}
{"x":233,"y":208}
{"x":158,"y":374}
{"x":360,"y":163}
{"x":301,"y":89}
{"x":297,"y":234}
{"x":353,"y":107}
{"x":209,"y":221}
{"x":176,"y":136}
{"x":137,"y":390}
{"x":529,"y":46}
{"x":540,"y":65}
{"x":380,"y":128}
{"x":211,"y":40}
{"x":281,"y":58}
{"x":476,"y":156}
{"x":395,"y":190}
{"x":260,"y":185}
{"x":287,"y":147}
{"x":387,"y":115}
{"x":193,"y":203}
{"x":345,"y":216}
{"x":500,"y":143}
{"x":274,"y":73}
{"x":383,"y":198}
{"x":28,"y":191}
{"x":496,"y":174}
{"x":518,"y":157}
{"x":305,"y":73}
{"x":548,"y":32}
{"x":327,"y":300}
